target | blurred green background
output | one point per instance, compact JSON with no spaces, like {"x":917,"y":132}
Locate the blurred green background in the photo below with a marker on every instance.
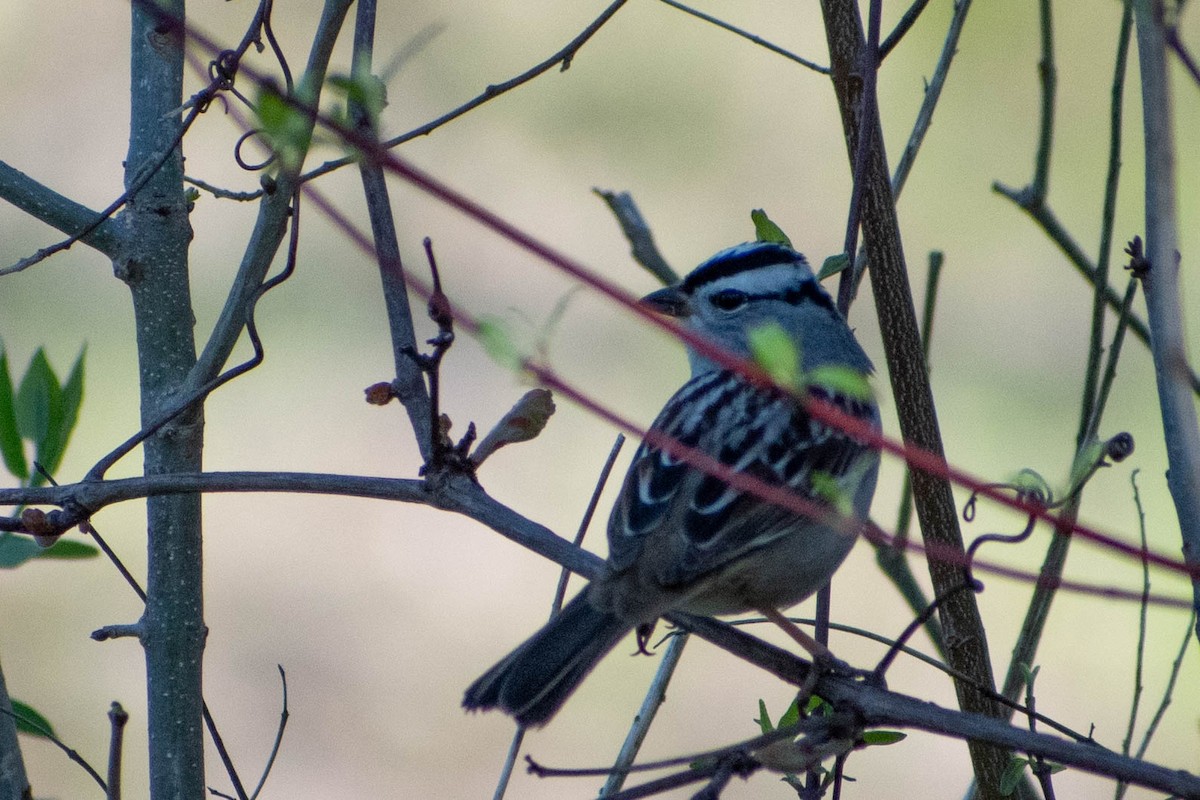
{"x":383,"y":613}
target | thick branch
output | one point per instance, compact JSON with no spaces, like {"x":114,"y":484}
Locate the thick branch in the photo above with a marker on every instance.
{"x":879,"y":707}
{"x":461,"y":495}
{"x":455,"y":493}
{"x":156,"y":268}
{"x":43,"y":203}
{"x":1180,"y":429}
{"x":965,"y":636}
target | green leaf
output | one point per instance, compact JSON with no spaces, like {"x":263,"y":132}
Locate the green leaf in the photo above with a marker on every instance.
{"x":50,"y":452}
{"x":498,"y":343}
{"x":38,"y":390}
{"x":364,"y":90}
{"x":16,"y":550}
{"x":1029,"y":673}
{"x":764,"y":719}
{"x":69,"y":549}
{"x":883,"y":737}
{"x":1085,"y":461}
{"x":10,"y":437}
{"x":841,"y":380}
{"x":40,"y":409}
{"x":833,"y":265}
{"x":817,"y":704}
{"x":791,"y":716}
{"x":1012,"y":775}
{"x":273,"y":110}
{"x":30,"y":721}
{"x":284,"y":125}
{"x":828,"y":489}
{"x":776,"y":352}
{"x":767,"y":231}
{"x":1029,"y":482}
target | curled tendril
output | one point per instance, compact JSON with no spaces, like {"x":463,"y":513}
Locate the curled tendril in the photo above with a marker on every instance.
{"x":1031,"y":488}
{"x":242,"y":162}
{"x":223,"y":69}
{"x":1028,"y":486}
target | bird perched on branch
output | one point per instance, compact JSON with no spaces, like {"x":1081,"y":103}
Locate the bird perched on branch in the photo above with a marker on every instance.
{"x":684,"y":538}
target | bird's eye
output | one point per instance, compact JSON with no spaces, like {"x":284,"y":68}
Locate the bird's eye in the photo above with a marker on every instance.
{"x":729,"y":299}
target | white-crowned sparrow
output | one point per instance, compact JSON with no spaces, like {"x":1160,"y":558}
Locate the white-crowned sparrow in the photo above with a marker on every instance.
{"x":680,"y":539}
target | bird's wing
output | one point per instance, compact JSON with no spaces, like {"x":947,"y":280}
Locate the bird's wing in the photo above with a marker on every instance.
{"x":695,"y":523}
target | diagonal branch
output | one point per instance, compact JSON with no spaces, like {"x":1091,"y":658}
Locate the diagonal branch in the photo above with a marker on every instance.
{"x":965,"y":635}
{"x":409,"y":385}
{"x":272,"y":213}
{"x":561,"y":59}
{"x":43,"y":203}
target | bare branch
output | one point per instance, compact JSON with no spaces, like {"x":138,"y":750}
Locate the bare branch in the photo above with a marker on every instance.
{"x":409,"y":385}
{"x":1181,"y":431}
{"x":43,"y":203}
{"x":758,"y":40}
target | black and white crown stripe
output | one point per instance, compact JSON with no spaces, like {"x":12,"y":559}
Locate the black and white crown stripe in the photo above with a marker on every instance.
{"x":741,"y":258}
{"x":764,"y":271}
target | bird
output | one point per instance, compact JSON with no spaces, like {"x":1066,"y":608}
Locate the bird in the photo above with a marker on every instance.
{"x":683,"y":540}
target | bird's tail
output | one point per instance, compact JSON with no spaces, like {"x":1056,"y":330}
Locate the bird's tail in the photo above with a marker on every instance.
{"x":532,"y":682}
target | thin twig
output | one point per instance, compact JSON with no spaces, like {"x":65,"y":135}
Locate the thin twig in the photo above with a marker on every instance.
{"x":758,"y":40}
{"x":1181,"y":52}
{"x":1140,"y":653}
{"x":70,"y":752}
{"x":1037,"y":764}
{"x":902,"y":27}
{"x":1124,"y":315}
{"x":933,"y":93}
{"x":221,"y":193}
{"x":656,"y":694}
{"x":560,"y":592}
{"x":117,"y":718}
{"x":639,"y":235}
{"x":1090,"y":418}
{"x":561,"y":58}
{"x":283,"y":721}
{"x":141,"y":179}
{"x":1169,"y":690}
{"x":409,"y":385}
{"x":1094,"y":398}
{"x":1048,"y":74}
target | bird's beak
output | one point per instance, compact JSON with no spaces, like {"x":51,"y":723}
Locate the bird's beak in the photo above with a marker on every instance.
{"x":670,"y":301}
